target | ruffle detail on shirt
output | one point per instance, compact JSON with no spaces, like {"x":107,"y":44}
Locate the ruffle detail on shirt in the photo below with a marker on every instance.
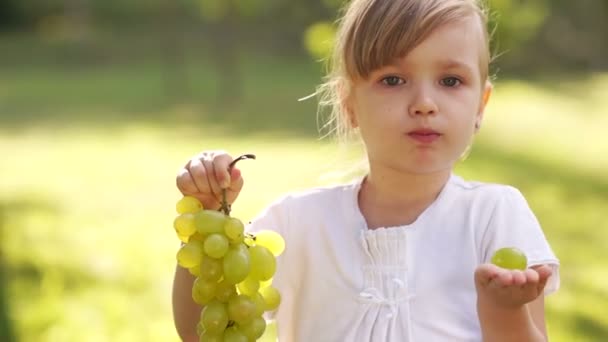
{"x":385,"y":273}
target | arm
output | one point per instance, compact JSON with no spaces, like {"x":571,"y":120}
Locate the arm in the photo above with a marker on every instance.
{"x":186,"y":312}
{"x":510,"y":304}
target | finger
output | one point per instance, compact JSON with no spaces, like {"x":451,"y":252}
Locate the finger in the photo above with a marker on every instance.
{"x":211,"y":180}
{"x":503,"y":278}
{"x":185,"y":183}
{"x":235,"y":185}
{"x":221,"y":164}
{"x":531,"y":276}
{"x":544,"y":272}
{"x":519,"y":277}
{"x":200,"y":174}
{"x":485,"y":273}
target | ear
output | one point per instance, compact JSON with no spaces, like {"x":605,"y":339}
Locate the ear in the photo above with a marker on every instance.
{"x":487,"y":91}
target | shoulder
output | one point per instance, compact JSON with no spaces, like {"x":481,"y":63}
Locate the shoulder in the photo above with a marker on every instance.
{"x":321,"y":195}
{"x":489,"y":194}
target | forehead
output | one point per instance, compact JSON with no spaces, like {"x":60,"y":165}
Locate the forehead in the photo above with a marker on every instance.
{"x":459,"y":43}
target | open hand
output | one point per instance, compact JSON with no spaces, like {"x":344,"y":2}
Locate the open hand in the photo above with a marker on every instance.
{"x":510,"y":288}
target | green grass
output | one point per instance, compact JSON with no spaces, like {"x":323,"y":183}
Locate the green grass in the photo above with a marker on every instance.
{"x":87,"y":188}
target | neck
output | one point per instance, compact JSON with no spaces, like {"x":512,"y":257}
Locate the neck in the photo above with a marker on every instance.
{"x":392,"y":186}
{"x":390,"y":197}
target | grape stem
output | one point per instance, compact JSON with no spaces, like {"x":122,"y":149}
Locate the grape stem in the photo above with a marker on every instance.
{"x":225,"y":207}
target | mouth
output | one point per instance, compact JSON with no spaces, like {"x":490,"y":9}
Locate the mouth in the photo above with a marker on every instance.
{"x":425,"y":136}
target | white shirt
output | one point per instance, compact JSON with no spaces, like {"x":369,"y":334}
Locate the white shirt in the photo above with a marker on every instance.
{"x":341,"y":281}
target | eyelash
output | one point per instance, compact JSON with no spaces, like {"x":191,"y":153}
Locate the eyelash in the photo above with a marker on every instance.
{"x":402,"y":81}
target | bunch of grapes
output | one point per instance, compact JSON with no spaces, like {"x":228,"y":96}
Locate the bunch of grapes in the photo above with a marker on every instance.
{"x":233,"y":271}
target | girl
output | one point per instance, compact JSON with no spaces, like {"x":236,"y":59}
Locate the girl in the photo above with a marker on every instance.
{"x":401,"y":254}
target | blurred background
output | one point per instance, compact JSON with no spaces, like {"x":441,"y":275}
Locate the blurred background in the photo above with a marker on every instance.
{"x":101,"y":102}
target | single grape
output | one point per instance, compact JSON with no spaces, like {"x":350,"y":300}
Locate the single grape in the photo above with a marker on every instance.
{"x":236,"y":265}
{"x":198,"y":237}
{"x":214,"y":317}
{"x":263,"y":263}
{"x":195,"y":271}
{"x":510,"y":258}
{"x":265,"y":283}
{"x":272,"y":297}
{"x":203,"y":291}
{"x":249,"y":286}
{"x":234,"y":229}
{"x":225,"y":291}
{"x":184,"y":224}
{"x":188,"y":204}
{"x":190,"y":254}
{"x":207,"y":337}
{"x":216,"y":245}
{"x":241,"y":309}
{"x":254,"y":329}
{"x":234,"y":334}
{"x":270,"y":335}
{"x":209,"y":222}
{"x":260,"y":304}
{"x":271,"y":240}
{"x":183,"y":238}
{"x":211,"y":269}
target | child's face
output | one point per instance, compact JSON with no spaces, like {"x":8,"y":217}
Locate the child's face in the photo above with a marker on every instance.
{"x":419,"y":114}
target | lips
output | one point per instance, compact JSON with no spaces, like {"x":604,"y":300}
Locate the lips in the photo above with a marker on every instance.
{"x":425,"y":136}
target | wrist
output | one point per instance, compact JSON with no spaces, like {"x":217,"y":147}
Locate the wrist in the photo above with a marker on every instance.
{"x":506,"y":323}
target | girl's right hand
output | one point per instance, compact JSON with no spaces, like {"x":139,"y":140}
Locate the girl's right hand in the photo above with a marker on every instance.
{"x":204,"y":177}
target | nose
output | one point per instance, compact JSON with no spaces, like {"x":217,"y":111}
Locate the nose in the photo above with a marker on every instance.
{"x":423,"y":104}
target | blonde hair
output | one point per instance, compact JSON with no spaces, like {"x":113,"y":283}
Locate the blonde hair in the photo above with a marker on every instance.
{"x":373,"y":33}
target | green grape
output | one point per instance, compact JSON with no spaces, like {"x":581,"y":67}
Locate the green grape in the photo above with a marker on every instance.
{"x":260,"y":304}
{"x":184,"y":224}
{"x":203,"y":291}
{"x":249,"y":286}
{"x":214,"y":317}
{"x":510,"y":258}
{"x":209,"y":222}
{"x":271,"y":240}
{"x":236,"y":265}
{"x":248,"y":241}
{"x":190,"y":254}
{"x":199,"y":328}
{"x":207,"y":337}
{"x":225,"y":291}
{"x":188,"y":204}
{"x":198,"y":237}
{"x":270,"y":335}
{"x":241,"y":309}
{"x":265,"y":283}
{"x":234,"y":229}
{"x":216,"y":245}
{"x":263,"y":263}
{"x":254,"y":329}
{"x":195,"y":271}
{"x":233,"y":334}
{"x":183,"y":238}
{"x":272,"y":297}
{"x":211,"y":269}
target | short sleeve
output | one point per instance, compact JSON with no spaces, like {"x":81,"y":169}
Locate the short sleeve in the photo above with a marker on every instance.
{"x":274,"y":217}
{"x":513,"y":224}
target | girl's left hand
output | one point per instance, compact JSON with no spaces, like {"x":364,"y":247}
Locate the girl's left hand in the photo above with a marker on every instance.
{"x":510,"y":288}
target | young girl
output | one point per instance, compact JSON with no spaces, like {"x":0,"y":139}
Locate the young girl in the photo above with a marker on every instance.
{"x":403,"y":253}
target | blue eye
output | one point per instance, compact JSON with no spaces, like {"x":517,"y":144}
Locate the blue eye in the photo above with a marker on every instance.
{"x":392,"y":81}
{"x":451,"y":82}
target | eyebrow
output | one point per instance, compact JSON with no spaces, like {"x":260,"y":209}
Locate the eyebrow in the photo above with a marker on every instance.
{"x":455,"y":64}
